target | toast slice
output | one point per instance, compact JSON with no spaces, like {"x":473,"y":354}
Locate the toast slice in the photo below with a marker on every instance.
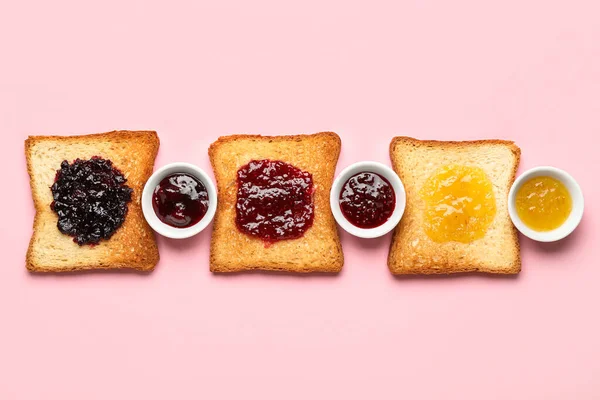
{"x":412,"y":251}
{"x":133,"y":244}
{"x":319,"y":249}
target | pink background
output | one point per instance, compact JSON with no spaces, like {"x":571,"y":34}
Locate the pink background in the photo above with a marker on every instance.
{"x":521,"y":70}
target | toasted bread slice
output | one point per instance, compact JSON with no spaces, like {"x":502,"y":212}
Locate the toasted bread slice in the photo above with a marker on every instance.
{"x":412,"y":251}
{"x":133,"y":244}
{"x":319,"y":249}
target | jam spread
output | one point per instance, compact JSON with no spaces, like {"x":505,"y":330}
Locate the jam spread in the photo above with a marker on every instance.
{"x":367,"y":200}
{"x":90,"y":199}
{"x":274,"y":200}
{"x":543,"y":203}
{"x":180,"y":200}
{"x":459,"y":204}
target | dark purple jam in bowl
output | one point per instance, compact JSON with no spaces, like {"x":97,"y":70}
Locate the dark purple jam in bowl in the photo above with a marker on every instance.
{"x":367,"y":200}
{"x":180,"y":200}
{"x":90,"y":198}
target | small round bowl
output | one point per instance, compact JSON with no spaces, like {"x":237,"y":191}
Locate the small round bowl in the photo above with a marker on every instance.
{"x":387,"y":173}
{"x":577,"y":204}
{"x":167,"y":230}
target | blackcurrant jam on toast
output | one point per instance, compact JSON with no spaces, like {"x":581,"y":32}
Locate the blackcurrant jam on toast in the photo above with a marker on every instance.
{"x":90,"y":198}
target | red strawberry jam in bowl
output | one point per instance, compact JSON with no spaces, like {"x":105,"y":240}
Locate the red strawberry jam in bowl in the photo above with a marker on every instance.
{"x":179,"y":200}
{"x":274,"y":200}
{"x":367,"y":199}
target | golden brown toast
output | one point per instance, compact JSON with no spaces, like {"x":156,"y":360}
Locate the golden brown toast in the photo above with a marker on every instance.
{"x":319,"y":249}
{"x":132,"y":245}
{"x":412,"y":251}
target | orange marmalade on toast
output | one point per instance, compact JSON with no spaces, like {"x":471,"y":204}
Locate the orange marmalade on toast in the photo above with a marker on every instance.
{"x":459,"y":204}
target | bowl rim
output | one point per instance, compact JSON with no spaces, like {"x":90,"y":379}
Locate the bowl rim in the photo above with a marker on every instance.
{"x":576,"y":211}
{"x":169,"y":231}
{"x":399,"y":191}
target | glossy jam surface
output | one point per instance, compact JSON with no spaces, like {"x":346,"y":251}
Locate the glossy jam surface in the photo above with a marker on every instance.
{"x":367,"y":200}
{"x":180,"y":200}
{"x":543,"y":203}
{"x":274,"y":200}
{"x":459,"y":204}
{"x":90,"y":199}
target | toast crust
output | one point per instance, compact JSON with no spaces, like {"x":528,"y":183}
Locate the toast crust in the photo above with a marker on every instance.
{"x":133,"y":245}
{"x":427,"y":257}
{"x":319,"y":249}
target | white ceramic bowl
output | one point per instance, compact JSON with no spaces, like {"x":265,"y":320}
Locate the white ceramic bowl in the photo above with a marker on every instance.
{"x":387,"y":173}
{"x":576,"y":212}
{"x":167,"y":230}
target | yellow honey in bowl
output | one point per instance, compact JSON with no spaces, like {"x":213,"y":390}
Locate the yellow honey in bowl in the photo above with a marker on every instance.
{"x":543,"y":203}
{"x":459,"y":204}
